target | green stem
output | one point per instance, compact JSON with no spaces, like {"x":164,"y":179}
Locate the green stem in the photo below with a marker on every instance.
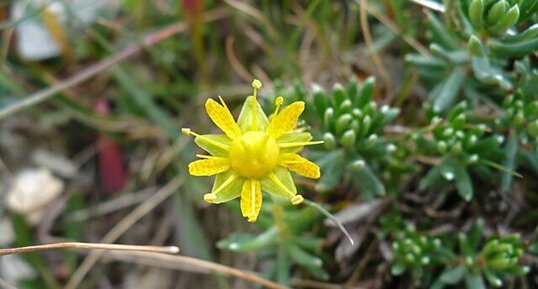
{"x":283,"y":268}
{"x":332,"y":218}
{"x":280,"y":222}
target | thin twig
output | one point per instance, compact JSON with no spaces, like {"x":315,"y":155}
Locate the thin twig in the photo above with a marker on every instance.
{"x":120,"y":228}
{"x":365,"y":258}
{"x":110,"y":206}
{"x":107,"y":63}
{"x":369,"y":44}
{"x":251,"y":11}
{"x":396,"y":30}
{"x":4,"y":167}
{"x":8,"y":36}
{"x":91,"y":246}
{"x":234,"y":61}
{"x":190,"y":264}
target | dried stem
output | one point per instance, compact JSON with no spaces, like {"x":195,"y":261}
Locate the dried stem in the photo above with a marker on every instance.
{"x":396,"y":30}
{"x":91,"y":246}
{"x":369,"y":44}
{"x":143,"y":255}
{"x":234,"y":60}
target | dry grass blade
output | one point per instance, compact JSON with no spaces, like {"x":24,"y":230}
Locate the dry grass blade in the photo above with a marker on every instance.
{"x":99,"y":67}
{"x":234,"y":61}
{"x":394,"y":28}
{"x":90,"y":246}
{"x":369,"y":44}
{"x":191,"y":265}
{"x":254,"y":13}
{"x":115,"y":204}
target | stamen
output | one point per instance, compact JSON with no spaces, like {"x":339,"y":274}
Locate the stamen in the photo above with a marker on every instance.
{"x":278,"y":102}
{"x":223,"y":185}
{"x":210,"y":198}
{"x":299,"y":144}
{"x":188,"y":131}
{"x":281,"y":185}
{"x":211,"y":157}
{"x":222,"y":102}
{"x":297,"y":200}
{"x":204,"y":156}
{"x":256,"y":84}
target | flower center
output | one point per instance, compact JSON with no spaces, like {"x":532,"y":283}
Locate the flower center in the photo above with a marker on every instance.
{"x":254,"y":154}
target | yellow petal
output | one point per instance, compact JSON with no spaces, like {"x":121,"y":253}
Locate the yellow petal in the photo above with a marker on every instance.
{"x":286,"y":119}
{"x":222,"y":117}
{"x":209,"y":166}
{"x":300,"y":165}
{"x":251,"y":199}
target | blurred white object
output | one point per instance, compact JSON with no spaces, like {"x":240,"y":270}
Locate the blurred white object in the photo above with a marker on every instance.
{"x":8,"y":235}
{"x":32,"y":191}
{"x":34,"y":41}
{"x":154,"y":278}
{"x":13,"y":268}
{"x":57,"y":163}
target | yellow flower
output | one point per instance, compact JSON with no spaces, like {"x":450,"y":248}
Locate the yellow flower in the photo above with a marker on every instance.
{"x":254,"y":154}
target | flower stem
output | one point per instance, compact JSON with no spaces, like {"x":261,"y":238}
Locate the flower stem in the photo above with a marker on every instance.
{"x":283,"y":268}
{"x":280,"y":222}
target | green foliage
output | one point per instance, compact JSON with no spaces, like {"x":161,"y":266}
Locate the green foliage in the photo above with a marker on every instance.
{"x":491,"y":41}
{"x":461,"y":147}
{"x":482,"y":55}
{"x":414,"y":251}
{"x":351,"y":124}
{"x":500,"y":257}
{"x":434,"y":260}
{"x":285,"y":238}
{"x":471,"y":149}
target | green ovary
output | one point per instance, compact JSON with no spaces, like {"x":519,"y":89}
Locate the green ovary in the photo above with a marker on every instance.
{"x":254,"y":154}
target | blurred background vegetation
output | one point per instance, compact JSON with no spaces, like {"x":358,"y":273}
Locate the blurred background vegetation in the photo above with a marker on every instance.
{"x":428,"y":110}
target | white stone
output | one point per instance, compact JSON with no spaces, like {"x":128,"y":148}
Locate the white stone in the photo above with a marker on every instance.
{"x":32,"y":191}
{"x":7,"y":235}
{"x":13,"y":268}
